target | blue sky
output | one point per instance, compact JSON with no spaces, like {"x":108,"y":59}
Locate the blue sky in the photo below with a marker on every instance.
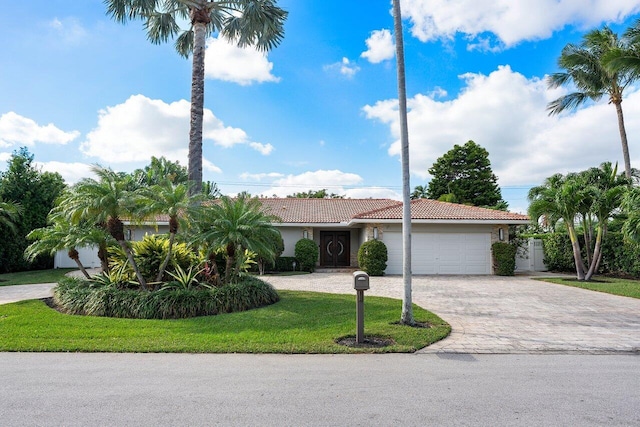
{"x":319,"y":111}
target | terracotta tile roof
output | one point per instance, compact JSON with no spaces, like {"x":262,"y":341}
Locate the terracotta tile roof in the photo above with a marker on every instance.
{"x":292,"y":210}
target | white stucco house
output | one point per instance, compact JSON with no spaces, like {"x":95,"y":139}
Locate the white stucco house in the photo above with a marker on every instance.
{"x":447,"y":238}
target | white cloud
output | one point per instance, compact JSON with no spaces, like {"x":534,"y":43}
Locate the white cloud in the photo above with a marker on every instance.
{"x":67,"y":31}
{"x":71,"y":172}
{"x":333,"y":181}
{"x":380,"y":47}
{"x":207,"y":165}
{"x":141,"y":127}
{"x":18,"y":130}
{"x":510,"y":21}
{"x":344,"y":67}
{"x":264,"y":149}
{"x":506,"y":113}
{"x":260,"y":176}
{"x":4,"y":156}
{"x":228,"y":62}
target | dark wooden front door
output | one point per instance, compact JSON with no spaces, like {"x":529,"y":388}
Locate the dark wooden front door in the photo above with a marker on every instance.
{"x":335,"y":248}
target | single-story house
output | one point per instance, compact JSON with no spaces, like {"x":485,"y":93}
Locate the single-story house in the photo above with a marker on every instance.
{"x":447,"y":238}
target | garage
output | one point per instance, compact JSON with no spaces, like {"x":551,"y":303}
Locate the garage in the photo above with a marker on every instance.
{"x":441,"y":253}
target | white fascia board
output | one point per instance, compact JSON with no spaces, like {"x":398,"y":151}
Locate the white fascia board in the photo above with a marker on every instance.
{"x":145,"y":223}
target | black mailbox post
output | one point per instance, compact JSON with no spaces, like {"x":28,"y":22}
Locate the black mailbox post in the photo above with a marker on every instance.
{"x":360,"y":284}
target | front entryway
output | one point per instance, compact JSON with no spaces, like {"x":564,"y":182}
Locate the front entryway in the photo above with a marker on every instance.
{"x":335,"y":248}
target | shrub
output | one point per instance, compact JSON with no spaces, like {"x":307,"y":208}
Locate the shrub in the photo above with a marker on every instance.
{"x":372,"y":257}
{"x":285,"y":263}
{"x":75,"y":296}
{"x":558,"y":253}
{"x":149,"y":253}
{"x":307,"y":253}
{"x":619,"y":256}
{"x":504,"y":258}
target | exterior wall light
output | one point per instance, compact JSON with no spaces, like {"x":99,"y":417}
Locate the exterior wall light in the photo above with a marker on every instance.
{"x":375,"y":233}
{"x":501,"y":234}
{"x":305,"y":234}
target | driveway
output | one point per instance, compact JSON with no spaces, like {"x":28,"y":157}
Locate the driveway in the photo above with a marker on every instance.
{"x":490,"y":314}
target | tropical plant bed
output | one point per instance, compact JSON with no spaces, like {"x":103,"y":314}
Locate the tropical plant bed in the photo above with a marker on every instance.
{"x":609,"y":285}
{"x":301,"y":322}
{"x":83,"y":297}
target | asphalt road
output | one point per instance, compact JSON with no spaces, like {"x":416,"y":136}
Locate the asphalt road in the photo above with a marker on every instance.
{"x":38,"y":389}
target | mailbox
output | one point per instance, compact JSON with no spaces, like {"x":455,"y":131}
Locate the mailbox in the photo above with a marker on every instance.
{"x":360,"y":281}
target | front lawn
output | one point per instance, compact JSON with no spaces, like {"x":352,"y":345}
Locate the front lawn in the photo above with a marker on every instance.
{"x":609,"y":285}
{"x":31,"y":277}
{"x":301,"y":322}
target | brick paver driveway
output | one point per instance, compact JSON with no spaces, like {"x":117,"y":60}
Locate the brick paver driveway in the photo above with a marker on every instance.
{"x":490,"y":314}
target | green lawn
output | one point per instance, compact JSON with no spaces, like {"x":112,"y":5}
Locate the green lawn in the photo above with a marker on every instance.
{"x":302,"y":322}
{"x":622,"y":287}
{"x":31,"y":277}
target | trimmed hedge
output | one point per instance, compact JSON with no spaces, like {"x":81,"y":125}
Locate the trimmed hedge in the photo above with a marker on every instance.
{"x":504,"y":258}
{"x":307,"y":253}
{"x":372,"y":257}
{"x":82,"y":297}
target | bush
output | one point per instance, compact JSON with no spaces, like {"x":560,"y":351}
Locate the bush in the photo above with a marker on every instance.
{"x":307,"y":253}
{"x":620,"y":257}
{"x":149,"y":253}
{"x":558,"y":253}
{"x":285,"y":263}
{"x":76,"y":296}
{"x":504,"y":258}
{"x":372,"y":257}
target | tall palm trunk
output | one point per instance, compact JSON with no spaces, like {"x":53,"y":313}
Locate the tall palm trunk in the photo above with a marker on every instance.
{"x":577,"y":256}
{"x":116,"y":229}
{"x":199,"y":20}
{"x":75,"y":256}
{"x":407,"y":309}
{"x":623,"y":139}
{"x":597,"y":255}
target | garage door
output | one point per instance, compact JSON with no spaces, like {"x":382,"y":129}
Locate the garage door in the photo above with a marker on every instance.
{"x":441,"y":253}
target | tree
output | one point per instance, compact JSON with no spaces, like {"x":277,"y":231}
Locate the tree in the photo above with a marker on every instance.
{"x":159,"y":170}
{"x":586,"y":68}
{"x":9,"y":214}
{"x":36,"y":191}
{"x":316,"y":194}
{"x":257,"y":23}
{"x":589,"y":196}
{"x":62,"y":235}
{"x":236,"y":224}
{"x":172,"y":200}
{"x":420,"y":192}
{"x":407,"y":309}
{"x":465,"y":172}
{"x":105,"y":201}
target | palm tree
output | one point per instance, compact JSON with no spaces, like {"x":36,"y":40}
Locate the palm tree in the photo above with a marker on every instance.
{"x":631,"y":205}
{"x":407,"y":309}
{"x":62,"y":235}
{"x":258,"y":23}
{"x":105,"y":201}
{"x":172,"y":200}
{"x":420,"y":192}
{"x":586,"y":67}
{"x":592,"y":195}
{"x":235,"y":225}
{"x":9,"y":213}
{"x":559,"y":199}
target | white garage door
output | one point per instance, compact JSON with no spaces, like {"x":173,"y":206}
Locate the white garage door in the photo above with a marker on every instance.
{"x":441,"y":253}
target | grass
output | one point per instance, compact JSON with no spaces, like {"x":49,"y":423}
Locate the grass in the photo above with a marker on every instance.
{"x":301,"y":322}
{"x":31,"y":277}
{"x":609,"y":285}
